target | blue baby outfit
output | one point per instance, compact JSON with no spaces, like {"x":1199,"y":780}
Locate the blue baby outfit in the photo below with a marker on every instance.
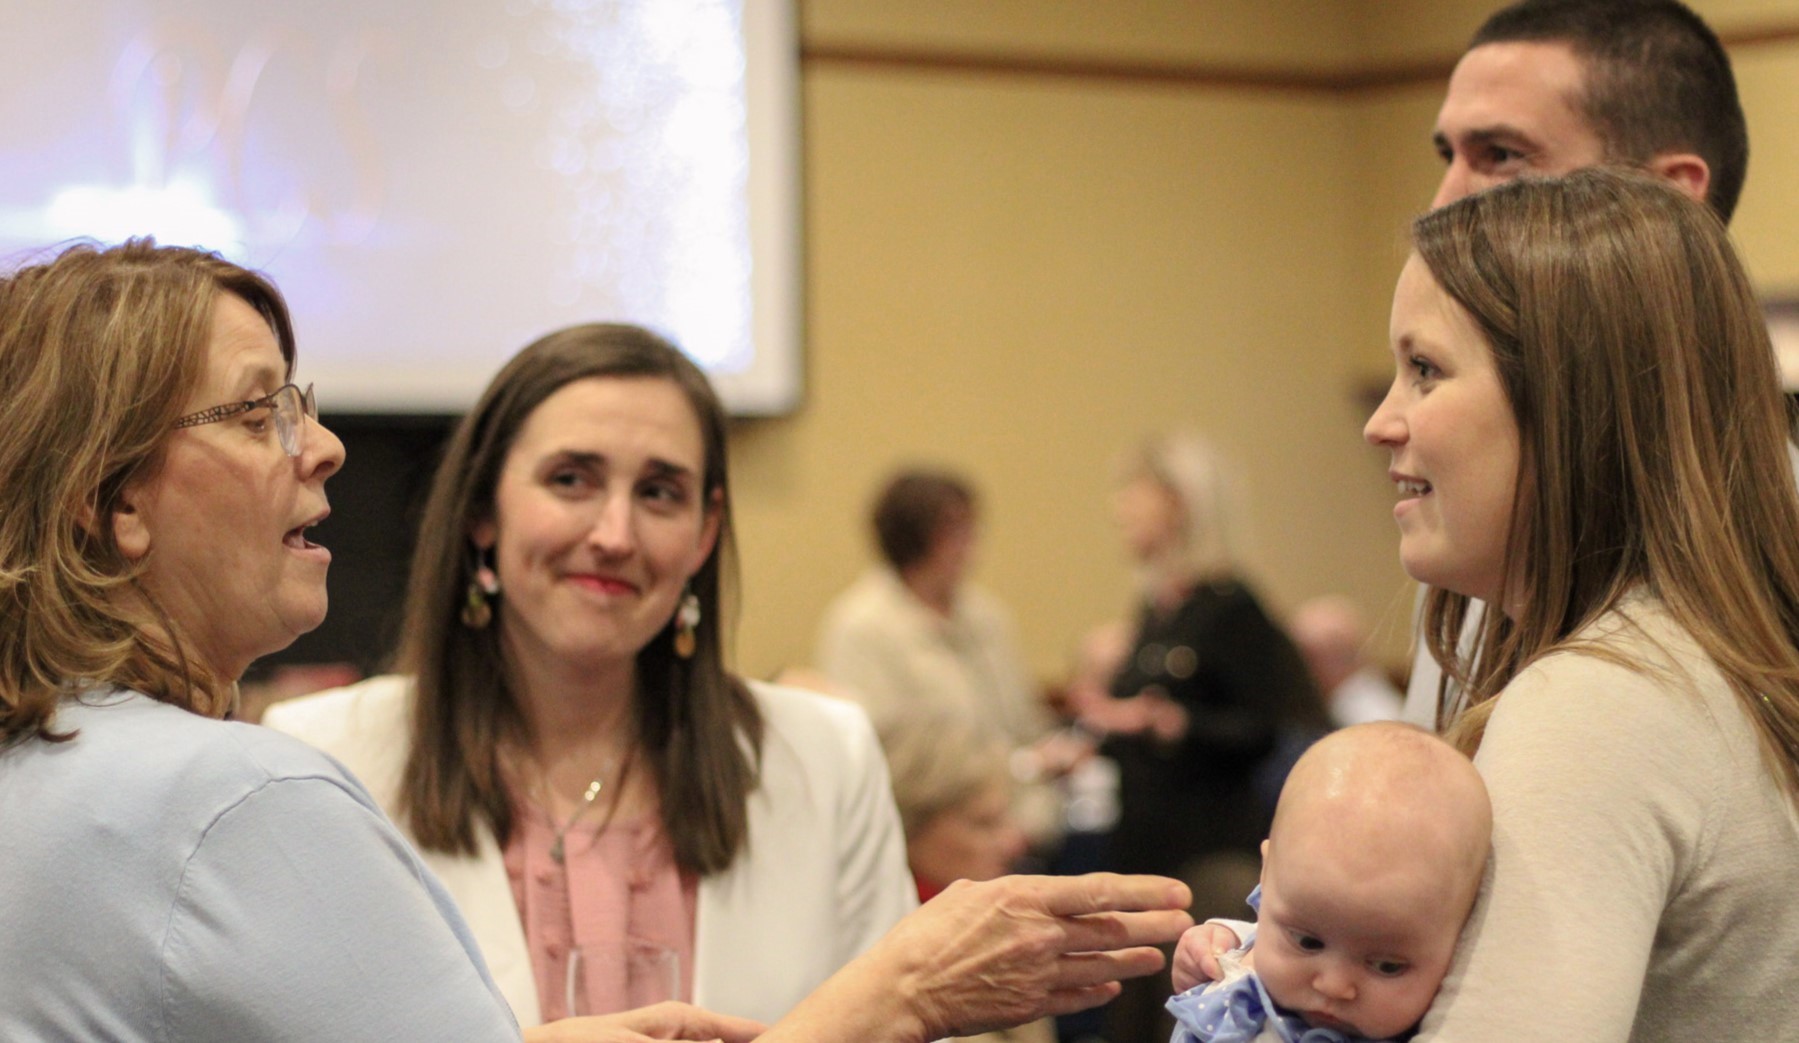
{"x":1237,"y":1009}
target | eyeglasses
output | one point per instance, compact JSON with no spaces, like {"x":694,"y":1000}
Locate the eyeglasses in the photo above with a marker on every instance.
{"x":290,"y":404}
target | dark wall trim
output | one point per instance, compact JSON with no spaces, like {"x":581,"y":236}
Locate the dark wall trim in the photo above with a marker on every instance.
{"x":1198,"y":75}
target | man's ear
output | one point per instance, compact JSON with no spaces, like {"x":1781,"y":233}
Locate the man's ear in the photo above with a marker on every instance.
{"x":129,"y":529}
{"x":1688,"y":172}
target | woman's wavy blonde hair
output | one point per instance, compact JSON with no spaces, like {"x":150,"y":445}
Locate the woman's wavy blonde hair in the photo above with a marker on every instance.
{"x":1653,"y":438}
{"x":100,"y":350}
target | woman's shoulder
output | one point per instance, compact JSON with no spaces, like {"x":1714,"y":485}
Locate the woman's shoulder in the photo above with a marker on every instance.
{"x":363,"y":725}
{"x":1635,"y":650}
{"x":377,"y":704}
{"x":800,"y":713}
{"x":170,"y":762}
{"x":1634,"y":679}
{"x":875,"y":606}
{"x":810,"y":734}
{"x":1221,"y":597}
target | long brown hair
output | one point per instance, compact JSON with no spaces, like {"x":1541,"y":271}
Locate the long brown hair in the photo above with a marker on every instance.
{"x":699,"y":726}
{"x":1653,"y":437}
{"x":100,"y":350}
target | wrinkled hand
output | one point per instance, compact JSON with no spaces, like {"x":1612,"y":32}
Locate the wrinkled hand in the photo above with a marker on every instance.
{"x":663,"y":1021}
{"x":982,"y":956}
{"x":1196,"y":958}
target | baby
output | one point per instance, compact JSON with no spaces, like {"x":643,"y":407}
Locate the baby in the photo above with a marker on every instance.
{"x":1371,"y":868}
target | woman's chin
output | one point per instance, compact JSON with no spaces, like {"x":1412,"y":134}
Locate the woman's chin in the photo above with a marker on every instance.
{"x":300,"y":616}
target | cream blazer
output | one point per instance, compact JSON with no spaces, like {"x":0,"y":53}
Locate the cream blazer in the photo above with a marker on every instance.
{"x":824,"y":876}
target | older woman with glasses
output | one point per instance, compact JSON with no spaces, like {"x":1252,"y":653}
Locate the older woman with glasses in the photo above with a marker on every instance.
{"x":167,"y":875}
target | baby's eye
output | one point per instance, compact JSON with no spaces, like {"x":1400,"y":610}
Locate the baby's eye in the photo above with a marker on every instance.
{"x":1389,"y":968}
{"x":1307,"y":943}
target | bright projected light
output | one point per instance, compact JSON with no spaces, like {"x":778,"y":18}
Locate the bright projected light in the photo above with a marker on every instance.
{"x":433,"y":185}
{"x":179,"y":213}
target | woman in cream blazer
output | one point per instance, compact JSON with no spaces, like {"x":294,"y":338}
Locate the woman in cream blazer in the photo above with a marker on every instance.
{"x":822,"y":819}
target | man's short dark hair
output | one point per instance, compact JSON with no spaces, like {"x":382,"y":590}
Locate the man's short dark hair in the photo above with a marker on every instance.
{"x":1657,"y":80}
{"x":912,"y":509}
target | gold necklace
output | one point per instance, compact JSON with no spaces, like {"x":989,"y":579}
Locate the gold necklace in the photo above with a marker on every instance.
{"x":557,"y":850}
{"x":593,"y":790}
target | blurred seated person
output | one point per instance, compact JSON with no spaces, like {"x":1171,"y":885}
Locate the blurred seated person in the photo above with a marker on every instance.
{"x":954,"y":798}
{"x":1332,"y":636}
{"x":913,"y":639}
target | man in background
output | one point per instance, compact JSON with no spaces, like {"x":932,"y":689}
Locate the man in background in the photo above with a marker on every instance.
{"x":1332,"y":635}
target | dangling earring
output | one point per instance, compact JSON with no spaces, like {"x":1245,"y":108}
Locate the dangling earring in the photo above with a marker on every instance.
{"x":483,"y":587}
{"x":687,"y":617}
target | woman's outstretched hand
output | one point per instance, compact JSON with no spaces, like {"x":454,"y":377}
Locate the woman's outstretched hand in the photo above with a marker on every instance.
{"x":982,"y":956}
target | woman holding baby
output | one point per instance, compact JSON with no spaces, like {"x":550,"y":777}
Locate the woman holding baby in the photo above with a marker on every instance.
{"x":1586,"y":431}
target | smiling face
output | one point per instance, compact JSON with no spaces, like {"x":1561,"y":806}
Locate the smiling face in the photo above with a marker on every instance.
{"x":1511,"y":111}
{"x":600,"y":517}
{"x":221,"y":522}
{"x":1353,"y":943}
{"x":1453,"y":439}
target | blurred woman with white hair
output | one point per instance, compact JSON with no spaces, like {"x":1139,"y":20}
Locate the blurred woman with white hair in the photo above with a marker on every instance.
{"x":1210,"y":682}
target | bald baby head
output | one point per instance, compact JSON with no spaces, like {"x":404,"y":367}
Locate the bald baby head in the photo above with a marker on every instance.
{"x":1373,"y":864}
{"x":1384,"y":790}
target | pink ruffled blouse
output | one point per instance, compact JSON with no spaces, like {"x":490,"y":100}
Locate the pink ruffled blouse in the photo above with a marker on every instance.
{"x":611,"y":927}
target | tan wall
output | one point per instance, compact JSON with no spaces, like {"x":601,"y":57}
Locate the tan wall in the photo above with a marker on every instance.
{"x":1018,"y":274}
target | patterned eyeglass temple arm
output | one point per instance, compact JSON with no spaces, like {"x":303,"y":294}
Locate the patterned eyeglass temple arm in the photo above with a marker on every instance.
{"x":224,"y":412}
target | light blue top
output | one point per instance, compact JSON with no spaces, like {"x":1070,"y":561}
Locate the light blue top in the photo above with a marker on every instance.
{"x":168,"y":877}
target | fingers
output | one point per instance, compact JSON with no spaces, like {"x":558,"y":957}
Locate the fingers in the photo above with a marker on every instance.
{"x":672,"y":1021}
{"x":1121,"y":930}
{"x":1196,"y":958}
{"x":1085,"y":969}
{"x":1068,"y":1001}
{"x":1105,"y":892}
{"x":1189,"y":966}
{"x":1193,"y":965}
